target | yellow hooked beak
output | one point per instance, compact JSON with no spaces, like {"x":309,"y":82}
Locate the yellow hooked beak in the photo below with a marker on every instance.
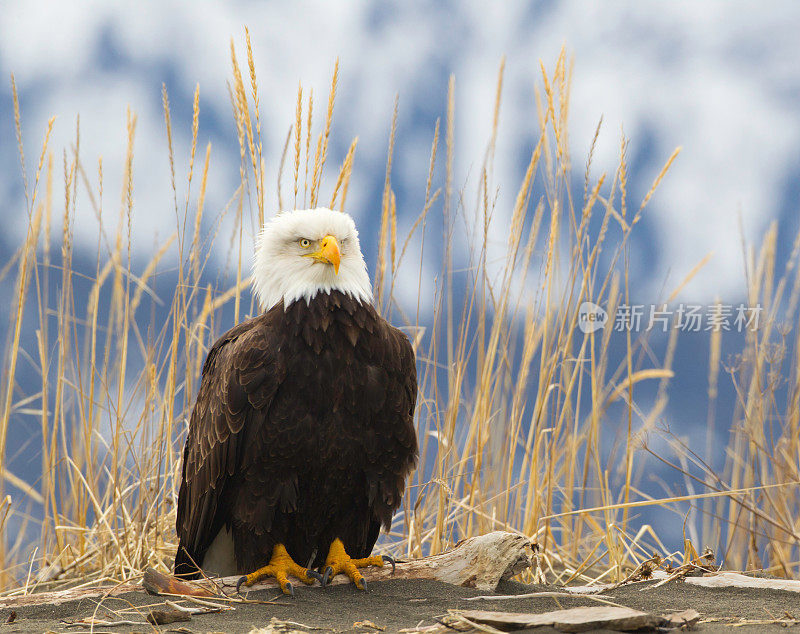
{"x":328,"y":252}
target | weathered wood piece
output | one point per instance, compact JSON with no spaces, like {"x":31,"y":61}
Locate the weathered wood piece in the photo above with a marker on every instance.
{"x":708,"y":580}
{"x":165,"y":617}
{"x":736,"y":580}
{"x":581,"y":619}
{"x":158,"y":583}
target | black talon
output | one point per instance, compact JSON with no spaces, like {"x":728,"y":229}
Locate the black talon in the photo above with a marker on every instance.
{"x":239,"y":583}
{"x":327,"y":576}
{"x":363,"y":584}
{"x":290,"y":587}
{"x":314,"y":575}
{"x":388,"y":560}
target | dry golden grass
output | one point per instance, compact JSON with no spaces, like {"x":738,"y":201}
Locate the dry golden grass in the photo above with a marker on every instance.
{"x":514,"y":404}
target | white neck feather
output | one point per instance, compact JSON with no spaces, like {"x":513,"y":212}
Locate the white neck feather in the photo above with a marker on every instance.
{"x":281,"y":274}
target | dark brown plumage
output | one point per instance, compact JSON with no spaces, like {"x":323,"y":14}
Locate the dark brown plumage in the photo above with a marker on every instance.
{"x":302,"y":432}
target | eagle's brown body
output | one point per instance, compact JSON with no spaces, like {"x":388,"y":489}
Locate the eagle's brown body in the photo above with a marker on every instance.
{"x":302,"y":432}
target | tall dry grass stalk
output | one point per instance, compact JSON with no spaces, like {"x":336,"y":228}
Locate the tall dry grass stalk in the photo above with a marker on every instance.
{"x":515,"y":404}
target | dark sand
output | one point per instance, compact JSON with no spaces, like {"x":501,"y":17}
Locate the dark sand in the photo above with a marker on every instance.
{"x":397,"y":604}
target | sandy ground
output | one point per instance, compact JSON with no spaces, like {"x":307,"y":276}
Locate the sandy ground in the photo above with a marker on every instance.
{"x":397,"y":604}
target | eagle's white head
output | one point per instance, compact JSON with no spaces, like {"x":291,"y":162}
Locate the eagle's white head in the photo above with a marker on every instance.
{"x":306,"y":251}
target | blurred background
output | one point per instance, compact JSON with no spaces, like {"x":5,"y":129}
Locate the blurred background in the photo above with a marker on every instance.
{"x":719,"y":79}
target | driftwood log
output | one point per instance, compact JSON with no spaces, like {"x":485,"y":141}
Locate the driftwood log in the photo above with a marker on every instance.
{"x":478,"y":562}
{"x":582,"y":619}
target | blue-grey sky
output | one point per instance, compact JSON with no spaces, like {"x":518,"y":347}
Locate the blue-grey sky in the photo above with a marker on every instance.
{"x":720,"y":79}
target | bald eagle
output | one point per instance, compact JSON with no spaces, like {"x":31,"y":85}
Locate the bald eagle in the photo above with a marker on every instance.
{"x":302,"y":434}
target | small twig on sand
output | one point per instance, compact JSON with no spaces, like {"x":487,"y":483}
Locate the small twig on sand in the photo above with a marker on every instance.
{"x":207,"y":604}
{"x":93,"y":622}
{"x":208,"y":607}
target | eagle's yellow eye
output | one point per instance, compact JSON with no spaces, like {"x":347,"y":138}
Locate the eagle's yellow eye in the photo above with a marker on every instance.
{"x":305,"y":243}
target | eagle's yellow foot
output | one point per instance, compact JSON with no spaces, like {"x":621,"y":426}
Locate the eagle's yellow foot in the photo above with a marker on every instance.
{"x":339,"y":561}
{"x":280,"y":566}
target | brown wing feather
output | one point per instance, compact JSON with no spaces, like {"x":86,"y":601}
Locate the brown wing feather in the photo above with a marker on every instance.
{"x":392,"y":443}
{"x":240,"y":376}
